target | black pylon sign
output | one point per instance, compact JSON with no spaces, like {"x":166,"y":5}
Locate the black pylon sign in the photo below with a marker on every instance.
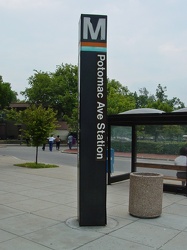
{"x":92,"y":142}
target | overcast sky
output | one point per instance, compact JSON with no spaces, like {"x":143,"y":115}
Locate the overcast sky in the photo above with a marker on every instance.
{"x":147,"y":40}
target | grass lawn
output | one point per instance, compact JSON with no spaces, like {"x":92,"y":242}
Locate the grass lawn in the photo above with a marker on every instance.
{"x":34,"y":165}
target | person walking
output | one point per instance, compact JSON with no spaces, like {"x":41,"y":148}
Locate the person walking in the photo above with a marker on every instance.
{"x":51,"y":141}
{"x":44,"y":144}
{"x":57,"y":141}
{"x":43,"y":147}
{"x":70,"y":141}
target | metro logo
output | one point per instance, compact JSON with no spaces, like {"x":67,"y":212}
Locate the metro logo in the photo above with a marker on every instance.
{"x":100,"y":28}
{"x":93,"y":33}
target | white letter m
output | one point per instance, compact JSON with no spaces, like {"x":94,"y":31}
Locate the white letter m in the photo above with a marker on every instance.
{"x":94,"y":34}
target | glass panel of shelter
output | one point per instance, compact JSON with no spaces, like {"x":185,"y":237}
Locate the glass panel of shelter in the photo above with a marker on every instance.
{"x":120,"y":153}
{"x":155,"y":144}
{"x":162,"y":144}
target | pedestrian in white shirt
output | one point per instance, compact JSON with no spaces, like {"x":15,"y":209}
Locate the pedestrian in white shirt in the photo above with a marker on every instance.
{"x":51,"y":141}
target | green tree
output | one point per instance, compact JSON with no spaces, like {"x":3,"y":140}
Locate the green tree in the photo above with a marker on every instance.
{"x":39,"y":122}
{"x":173,"y":132}
{"x":143,"y":98}
{"x":66,"y":82}
{"x":72,"y":120}
{"x":160,"y":93}
{"x":40,"y":91}
{"x":119,"y":98}
{"x":176,"y":103}
{"x":57,"y":90}
{"x":7,"y":95}
{"x":158,"y":101}
{"x":163,"y":103}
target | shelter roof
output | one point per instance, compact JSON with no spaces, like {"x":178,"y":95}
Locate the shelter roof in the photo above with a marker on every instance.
{"x":148,"y":117}
{"x":143,"y":111}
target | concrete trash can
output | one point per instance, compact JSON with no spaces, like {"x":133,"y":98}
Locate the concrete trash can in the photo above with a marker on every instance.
{"x":145,"y":194}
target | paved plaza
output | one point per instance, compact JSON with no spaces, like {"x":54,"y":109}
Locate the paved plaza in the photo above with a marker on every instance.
{"x":38,"y":211}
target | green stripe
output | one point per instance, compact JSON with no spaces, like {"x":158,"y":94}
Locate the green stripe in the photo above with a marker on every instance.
{"x":94,"y":49}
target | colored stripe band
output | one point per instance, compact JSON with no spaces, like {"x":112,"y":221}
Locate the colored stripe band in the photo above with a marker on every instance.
{"x":93,"y":44}
{"x":89,"y":48}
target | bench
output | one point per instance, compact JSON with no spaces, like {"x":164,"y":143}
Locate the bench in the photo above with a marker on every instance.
{"x":165,"y":167}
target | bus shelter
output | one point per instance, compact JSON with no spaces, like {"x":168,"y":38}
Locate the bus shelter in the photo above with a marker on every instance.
{"x":144,"y":138}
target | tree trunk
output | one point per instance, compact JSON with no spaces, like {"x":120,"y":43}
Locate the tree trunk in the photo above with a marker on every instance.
{"x":36,"y":154}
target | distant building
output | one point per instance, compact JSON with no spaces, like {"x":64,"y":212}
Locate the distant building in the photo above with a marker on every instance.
{"x":8,"y":130}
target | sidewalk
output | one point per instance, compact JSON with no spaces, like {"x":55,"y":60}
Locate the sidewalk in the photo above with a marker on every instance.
{"x":38,"y":211}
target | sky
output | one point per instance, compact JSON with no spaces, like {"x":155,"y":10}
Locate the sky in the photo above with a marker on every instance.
{"x":146,"y":44}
